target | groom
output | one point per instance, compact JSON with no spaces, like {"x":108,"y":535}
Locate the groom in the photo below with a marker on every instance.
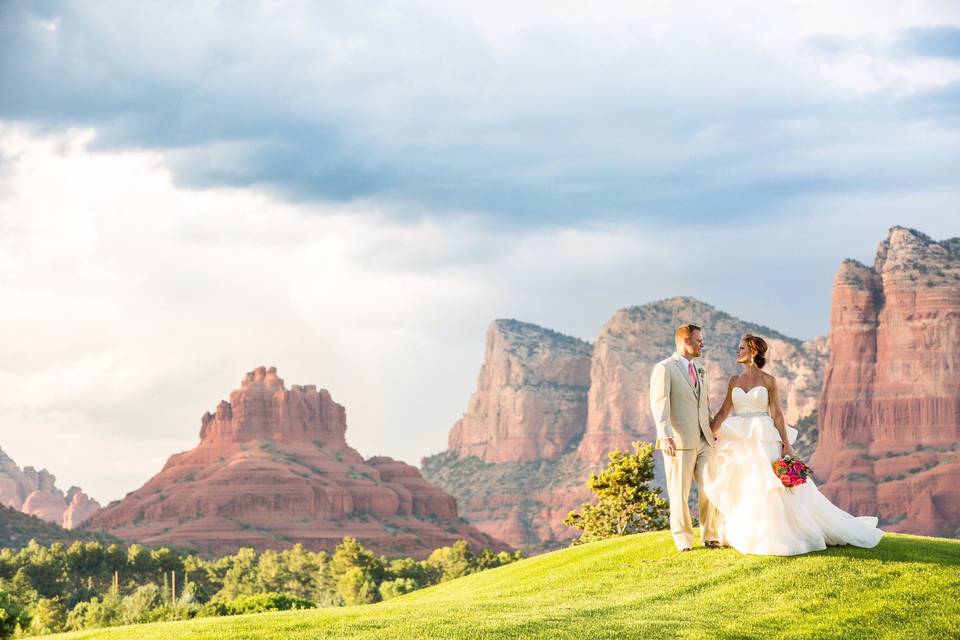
{"x":681,"y":411}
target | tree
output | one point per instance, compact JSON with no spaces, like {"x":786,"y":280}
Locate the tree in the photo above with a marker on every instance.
{"x":46,"y":616}
{"x":488,"y":559}
{"x":398,"y":587}
{"x":626,"y":501}
{"x":351,"y":553}
{"x":241,"y":578}
{"x":408,"y":568}
{"x":137,"y":606}
{"x":451,"y":562}
{"x":12,"y":615}
{"x":356,"y":586}
{"x":94,"y":613}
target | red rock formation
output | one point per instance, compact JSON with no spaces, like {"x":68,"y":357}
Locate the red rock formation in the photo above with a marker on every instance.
{"x":530,"y":402}
{"x":35,"y":493}
{"x":272,"y":469}
{"x":635,"y":339}
{"x":516,"y":482}
{"x":890,"y":408}
{"x":80,"y":506}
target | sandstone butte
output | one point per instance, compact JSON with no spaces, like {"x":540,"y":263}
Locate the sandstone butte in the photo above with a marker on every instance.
{"x":890,"y":408}
{"x":272,"y":469}
{"x":35,"y":493}
{"x":548,"y":408}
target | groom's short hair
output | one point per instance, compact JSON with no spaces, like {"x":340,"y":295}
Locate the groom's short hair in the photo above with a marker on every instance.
{"x":685,"y":330}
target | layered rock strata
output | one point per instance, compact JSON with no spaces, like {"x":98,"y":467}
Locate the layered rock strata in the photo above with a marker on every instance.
{"x":890,"y":410}
{"x":531,"y":396}
{"x":272,"y":469}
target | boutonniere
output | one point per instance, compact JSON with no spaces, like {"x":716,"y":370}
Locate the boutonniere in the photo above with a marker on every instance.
{"x":703,"y":374}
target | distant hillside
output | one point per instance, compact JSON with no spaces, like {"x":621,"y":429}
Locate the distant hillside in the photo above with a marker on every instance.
{"x":17,"y":529}
{"x":640,"y":587}
{"x":36,"y":493}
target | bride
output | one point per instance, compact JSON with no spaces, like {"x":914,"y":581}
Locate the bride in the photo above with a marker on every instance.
{"x":758,"y":514}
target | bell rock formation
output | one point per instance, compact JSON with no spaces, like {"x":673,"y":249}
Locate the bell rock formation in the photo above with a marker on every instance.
{"x":272,"y":469}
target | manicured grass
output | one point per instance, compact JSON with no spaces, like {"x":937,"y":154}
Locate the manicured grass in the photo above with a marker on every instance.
{"x":639,"y":587}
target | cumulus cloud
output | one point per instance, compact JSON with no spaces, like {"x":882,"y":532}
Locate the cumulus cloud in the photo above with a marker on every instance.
{"x":530,"y":115}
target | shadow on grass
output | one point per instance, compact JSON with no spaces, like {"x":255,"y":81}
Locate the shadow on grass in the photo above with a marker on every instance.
{"x":901,"y":549}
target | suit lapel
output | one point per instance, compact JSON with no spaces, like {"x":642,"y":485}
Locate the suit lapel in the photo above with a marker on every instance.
{"x":686,"y":375}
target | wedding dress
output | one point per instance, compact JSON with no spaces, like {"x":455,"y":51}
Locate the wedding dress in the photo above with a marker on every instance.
{"x":758,"y":514}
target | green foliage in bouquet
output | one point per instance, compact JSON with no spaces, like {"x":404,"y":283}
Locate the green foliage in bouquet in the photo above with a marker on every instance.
{"x":626,"y":501}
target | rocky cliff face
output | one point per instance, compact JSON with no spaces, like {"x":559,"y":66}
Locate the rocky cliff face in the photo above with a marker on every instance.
{"x":272,"y":469}
{"x":514,"y":480}
{"x":635,"y":339}
{"x":890,"y":409}
{"x":35,"y":493}
{"x":531,"y":397}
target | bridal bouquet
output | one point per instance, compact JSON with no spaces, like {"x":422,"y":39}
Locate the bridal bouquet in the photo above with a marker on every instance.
{"x":791,"y":471}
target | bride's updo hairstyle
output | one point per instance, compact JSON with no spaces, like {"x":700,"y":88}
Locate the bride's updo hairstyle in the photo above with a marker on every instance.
{"x":758,"y":346}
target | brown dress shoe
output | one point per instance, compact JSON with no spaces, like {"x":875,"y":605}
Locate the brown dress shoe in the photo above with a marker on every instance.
{"x":685,"y":549}
{"x":712,"y":544}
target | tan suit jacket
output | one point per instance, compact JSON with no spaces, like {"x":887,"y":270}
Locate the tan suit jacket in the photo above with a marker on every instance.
{"x":679,"y":411}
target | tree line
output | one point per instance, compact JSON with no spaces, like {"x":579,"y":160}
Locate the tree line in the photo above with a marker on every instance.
{"x":52,"y":588}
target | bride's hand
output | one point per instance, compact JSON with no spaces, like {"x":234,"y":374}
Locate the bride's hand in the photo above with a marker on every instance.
{"x":788,"y":450}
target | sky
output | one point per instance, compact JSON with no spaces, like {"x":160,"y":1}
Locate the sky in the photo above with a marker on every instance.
{"x":351,"y":192}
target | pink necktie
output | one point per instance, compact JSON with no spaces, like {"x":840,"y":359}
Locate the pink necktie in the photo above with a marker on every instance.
{"x":693,"y":375}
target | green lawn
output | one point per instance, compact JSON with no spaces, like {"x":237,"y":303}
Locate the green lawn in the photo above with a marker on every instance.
{"x":639,"y":587}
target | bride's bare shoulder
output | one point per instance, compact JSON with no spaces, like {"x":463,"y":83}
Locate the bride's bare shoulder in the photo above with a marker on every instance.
{"x":769,"y":381}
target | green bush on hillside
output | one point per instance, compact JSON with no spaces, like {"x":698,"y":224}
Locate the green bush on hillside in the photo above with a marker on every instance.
{"x":267,"y":602}
{"x":626,"y":501}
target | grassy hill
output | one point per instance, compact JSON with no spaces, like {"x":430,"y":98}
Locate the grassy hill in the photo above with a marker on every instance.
{"x":639,"y":587}
{"x":17,"y":529}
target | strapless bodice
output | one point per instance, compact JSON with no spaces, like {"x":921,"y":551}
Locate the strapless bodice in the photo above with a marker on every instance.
{"x":751,"y":418}
{"x":750,"y":402}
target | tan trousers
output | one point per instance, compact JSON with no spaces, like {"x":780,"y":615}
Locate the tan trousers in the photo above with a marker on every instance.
{"x":684,"y":467}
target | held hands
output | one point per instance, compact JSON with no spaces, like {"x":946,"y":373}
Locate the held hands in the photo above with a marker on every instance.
{"x":669,"y":447}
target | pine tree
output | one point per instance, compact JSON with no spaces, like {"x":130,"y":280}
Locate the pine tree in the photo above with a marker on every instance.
{"x":626,"y":501}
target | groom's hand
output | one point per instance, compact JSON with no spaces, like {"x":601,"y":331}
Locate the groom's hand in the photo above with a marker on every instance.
{"x":670,"y":447}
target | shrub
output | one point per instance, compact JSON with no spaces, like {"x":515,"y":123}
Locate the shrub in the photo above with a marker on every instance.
{"x":451,"y":562}
{"x":398,"y":587}
{"x":267,"y":602}
{"x":137,"y":606}
{"x":94,"y":613}
{"x":46,"y":616}
{"x":356,"y":586}
{"x":626,"y":501}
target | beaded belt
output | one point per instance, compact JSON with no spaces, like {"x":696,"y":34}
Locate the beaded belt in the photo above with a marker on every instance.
{"x":756,"y":414}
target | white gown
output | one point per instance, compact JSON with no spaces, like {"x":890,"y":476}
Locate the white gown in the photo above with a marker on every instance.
{"x":758,"y":514}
